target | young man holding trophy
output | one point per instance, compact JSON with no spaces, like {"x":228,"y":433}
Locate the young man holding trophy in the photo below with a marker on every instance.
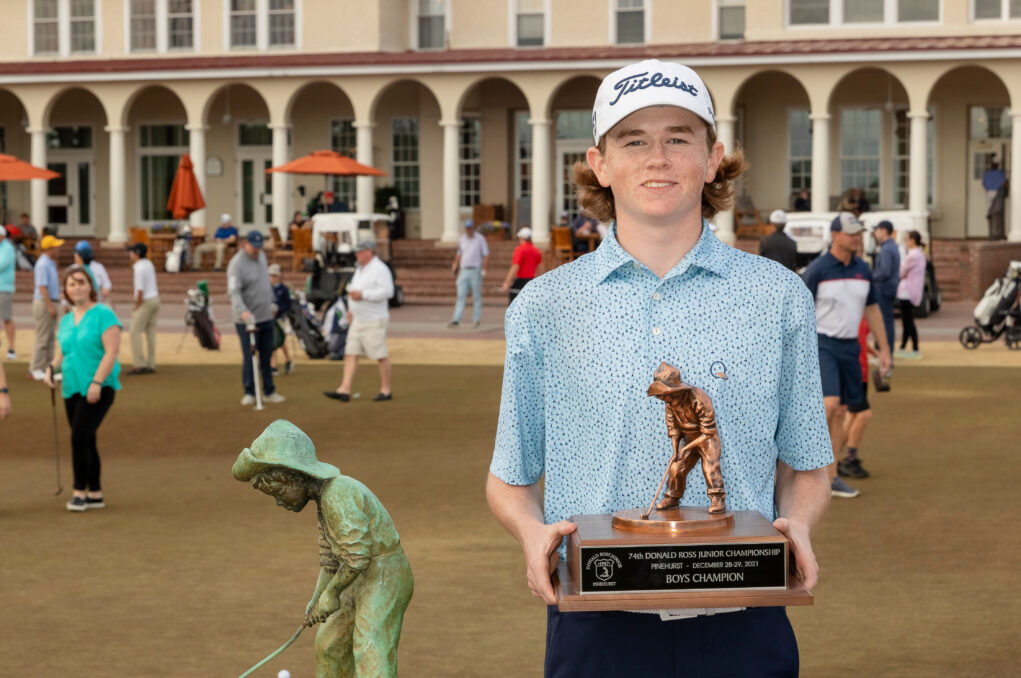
{"x":660,"y":288}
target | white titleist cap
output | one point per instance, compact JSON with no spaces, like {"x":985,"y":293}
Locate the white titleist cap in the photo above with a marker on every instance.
{"x":525,"y":233}
{"x":778,"y":217}
{"x":649,"y":83}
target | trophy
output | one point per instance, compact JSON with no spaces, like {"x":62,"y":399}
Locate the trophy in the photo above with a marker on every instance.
{"x":668,"y":556}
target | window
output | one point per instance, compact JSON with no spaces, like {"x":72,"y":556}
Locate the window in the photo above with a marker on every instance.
{"x":799,"y":149}
{"x":161,"y":25}
{"x":989,"y":123}
{"x":529,"y":23}
{"x":902,"y":157}
{"x":281,"y":23}
{"x":64,"y":27}
{"x":523,"y":156}
{"x":344,"y":140}
{"x":838,"y":12}
{"x":996,"y":9}
{"x":160,"y":149}
{"x":405,"y":160}
{"x":469,"y":148}
{"x":860,"y":131}
{"x":731,"y":19}
{"x":630,"y":21}
{"x":69,"y":138}
{"x":143,"y":25}
{"x":807,"y":12}
{"x":431,"y":24}
{"x":254,"y":134}
{"x":242,"y":23}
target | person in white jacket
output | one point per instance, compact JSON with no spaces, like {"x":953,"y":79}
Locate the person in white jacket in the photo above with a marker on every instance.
{"x":368,"y":295}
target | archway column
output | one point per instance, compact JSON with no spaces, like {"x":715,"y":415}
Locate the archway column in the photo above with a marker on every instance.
{"x":40,"y":215}
{"x":364,"y":186}
{"x":118,"y":186}
{"x":280,"y":180}
{"x":725,"y":135}
{"x":1014,"y":234}
{"x":451,"y":204}
{"x":541,"y":180}
{"x":820,"y":163}
{"x":918,"y":184}
{"x":197,"y":151}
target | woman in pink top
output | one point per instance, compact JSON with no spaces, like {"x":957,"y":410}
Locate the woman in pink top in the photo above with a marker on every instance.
{"x":909,"y":293}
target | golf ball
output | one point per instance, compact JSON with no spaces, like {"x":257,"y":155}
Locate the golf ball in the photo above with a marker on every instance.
{"x":284,"y":673}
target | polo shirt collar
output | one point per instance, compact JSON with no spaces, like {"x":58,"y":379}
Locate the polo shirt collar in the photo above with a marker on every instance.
{"x":709,"y":253}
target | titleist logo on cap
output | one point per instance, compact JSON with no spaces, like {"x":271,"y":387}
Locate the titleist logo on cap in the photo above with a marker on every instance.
{"x":638,"y":82}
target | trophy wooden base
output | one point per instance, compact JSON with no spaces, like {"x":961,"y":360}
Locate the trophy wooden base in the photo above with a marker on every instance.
{"x":741,"y":565}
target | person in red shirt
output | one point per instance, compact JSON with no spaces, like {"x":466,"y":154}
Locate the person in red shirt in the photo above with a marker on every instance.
{"x":523,"y":266}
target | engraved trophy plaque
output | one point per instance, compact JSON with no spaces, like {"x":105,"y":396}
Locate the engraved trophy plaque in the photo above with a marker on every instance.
{"x":669,"y":556}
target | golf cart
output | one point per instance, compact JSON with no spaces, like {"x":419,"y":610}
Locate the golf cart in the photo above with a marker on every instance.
{"x":334,"y":236}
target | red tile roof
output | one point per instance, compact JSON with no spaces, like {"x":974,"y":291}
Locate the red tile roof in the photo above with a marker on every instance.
{"x":504,"y":55}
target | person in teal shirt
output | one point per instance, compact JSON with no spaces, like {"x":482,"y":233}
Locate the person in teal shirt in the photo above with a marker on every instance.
{"x":88,"y":340}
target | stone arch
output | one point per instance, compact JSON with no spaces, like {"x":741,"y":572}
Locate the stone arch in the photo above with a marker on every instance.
{"x":232,"y":98}
{"x":14,"y":118}
{"x":80,"y":95}
{"x":425,"y":94}
{"x":165,"y":96}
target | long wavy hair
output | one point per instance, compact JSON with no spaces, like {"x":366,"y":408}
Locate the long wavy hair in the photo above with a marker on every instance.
{"x":717,"y":195}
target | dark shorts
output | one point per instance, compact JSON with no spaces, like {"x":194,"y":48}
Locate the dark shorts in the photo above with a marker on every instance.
{"x":754,"y":642}
{"x":864,"y":404}
{"x":841,"y":369}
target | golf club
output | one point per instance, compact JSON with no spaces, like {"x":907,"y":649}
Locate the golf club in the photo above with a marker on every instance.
{"x":255,"y":366}
{"x":56,"y":443}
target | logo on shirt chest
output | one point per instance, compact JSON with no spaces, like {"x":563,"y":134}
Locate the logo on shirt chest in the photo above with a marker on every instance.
{"x":718,"y":370}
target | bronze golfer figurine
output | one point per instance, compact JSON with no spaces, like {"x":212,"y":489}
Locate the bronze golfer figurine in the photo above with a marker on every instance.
{"x":689,"y":414}
{"x":365,"y":581}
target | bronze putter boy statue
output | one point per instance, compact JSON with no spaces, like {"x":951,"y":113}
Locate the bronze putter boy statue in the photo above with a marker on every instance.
{"x":689,"y":414}
{"x":365,"y":581}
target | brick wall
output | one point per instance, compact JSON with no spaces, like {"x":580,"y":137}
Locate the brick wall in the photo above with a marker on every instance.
{"x":965,"y":268}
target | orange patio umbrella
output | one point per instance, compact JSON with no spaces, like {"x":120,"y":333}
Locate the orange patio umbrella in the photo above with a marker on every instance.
{"x":327,"y":163}
{"x":12,"y":169}
{"x":185,"y":195}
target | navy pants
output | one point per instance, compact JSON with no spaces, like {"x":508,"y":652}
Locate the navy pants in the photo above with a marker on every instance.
{"x":756,"y":642}
{"x":264,"y":345}
{"x":886,"y":304}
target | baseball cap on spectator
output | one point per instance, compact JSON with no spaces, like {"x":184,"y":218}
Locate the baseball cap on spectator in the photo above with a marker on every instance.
{"x":138,"y":248}
{"x":83,"y":248}
{"x":845,"y":222}
{"x":363,"y":245}
{"x":468,"y":223}
{"x":49,"y":242}
{"x":649,"y":83}
{"x":328,"y":195}
{"x":224,"y":218}
{"x":884,"y":224}
{"x":274,"y":269}
{"x":254,"y":238}
{"x":525,"y":233}
{"x":778,"y":217}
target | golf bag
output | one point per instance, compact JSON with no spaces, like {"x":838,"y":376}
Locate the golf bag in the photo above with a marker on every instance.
{"x":198,"y":317}
{"x":998,"y":312}
{"x":999,"y":304}
{"x":177,"y":257}
{"x":335,"y":323}
{"x":307,"y":328}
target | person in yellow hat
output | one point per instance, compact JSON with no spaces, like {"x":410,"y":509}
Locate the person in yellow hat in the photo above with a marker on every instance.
{"x":365,"y":581}
{"x":45,"y":306}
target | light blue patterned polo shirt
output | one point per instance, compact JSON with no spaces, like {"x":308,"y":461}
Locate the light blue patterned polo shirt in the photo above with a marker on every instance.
{"x":584,"y":340}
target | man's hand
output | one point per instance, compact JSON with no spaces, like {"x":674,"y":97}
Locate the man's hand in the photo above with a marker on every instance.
{"x":504,"y":287}
{"x":326,"y":605}
{"x":884,"y":362}
{"x":246,"y":317}
{"x":453,"y":268}
{"x":801,"y":550}
{"x":541,"y":557}
{"x":52,"y":310}
{"x":355,"y":295}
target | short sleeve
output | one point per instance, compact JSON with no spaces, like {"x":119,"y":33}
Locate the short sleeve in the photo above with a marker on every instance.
{"x":518,"y":257}
{"x":802,"y":437}
{"x":811,"y":277}
{"x":870,"y":298}
{"x":105,"y":319}
{"x":519,"y":454}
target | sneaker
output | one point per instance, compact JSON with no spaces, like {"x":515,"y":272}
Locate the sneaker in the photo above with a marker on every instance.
{"x":11,"y":355}
{"x":288,"y":367}
{"x":838,"y":488}
{"x":383,"y":396}
{"x":38,"y":375}
{"x":94,"y":503}
{"x":248,"y":399}
{"x":274,"y":397}
{"x":275,"y":371}
{"x":909,"y":355}
{"x":342,"y":397}
{"x":76,"y":504}
{"x":852,"y":468}
{"x":453,"y":323}
{"x":477,"y":323}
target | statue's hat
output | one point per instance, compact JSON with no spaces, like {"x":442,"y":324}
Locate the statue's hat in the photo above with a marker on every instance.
{"x":282,"y":445}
